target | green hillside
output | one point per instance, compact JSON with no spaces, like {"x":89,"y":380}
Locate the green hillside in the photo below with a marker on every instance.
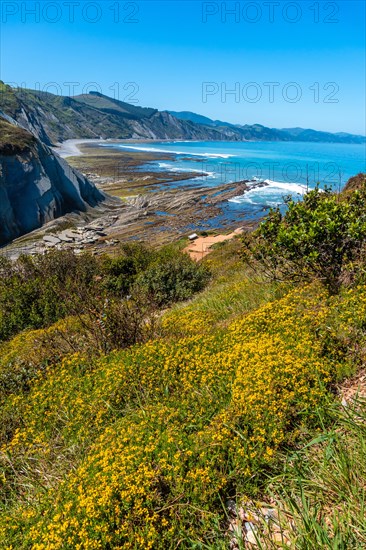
{"x":56,"y":118}
{"x":132,"y":417}
{"x":107,"y":104}
{"x":53,"y":118}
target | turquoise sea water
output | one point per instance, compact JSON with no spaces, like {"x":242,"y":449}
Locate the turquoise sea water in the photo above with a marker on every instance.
{"x":286,"y":167}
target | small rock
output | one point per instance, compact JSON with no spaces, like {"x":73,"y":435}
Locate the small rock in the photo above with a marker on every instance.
{"x":251,"y":538}
{"x":95,"y":228}
{"x":269,"y":514}
{"x":281,"y":538}
{"x":89,"y":240}
{"x":50,"y":239}
{"x":249,"y":526}
{"x":72,"y":235}
{"x":64,"y":238}
{"x":231,"y":507}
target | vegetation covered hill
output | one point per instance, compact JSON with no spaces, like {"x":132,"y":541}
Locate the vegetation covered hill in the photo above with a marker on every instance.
{"x":355,"y":183}
{"x":258,"y":132}
{"x":302,"y":134}
{"x":109,"y":105}
{"x":54,"y":118}
{"x":14,"y":140}
{"x":179,"y":434}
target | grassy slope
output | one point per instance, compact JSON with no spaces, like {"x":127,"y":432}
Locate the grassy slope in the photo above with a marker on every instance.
{"x":322,"y":485}
{"x":63,"y":117}
{"x":14,"y":140}
{"x":9,"y":102}
{"x":141,"y":448}
{"x":107,"y":104}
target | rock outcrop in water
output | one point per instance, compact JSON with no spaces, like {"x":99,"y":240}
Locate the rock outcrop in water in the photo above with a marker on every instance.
{"x":36,"y":185}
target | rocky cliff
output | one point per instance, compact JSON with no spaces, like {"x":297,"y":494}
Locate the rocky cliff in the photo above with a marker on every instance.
{"x":36,"y":185}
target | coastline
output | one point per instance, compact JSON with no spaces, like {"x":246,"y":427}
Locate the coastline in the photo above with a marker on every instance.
{"x":129,"y":174}
{"x":140,"y":205}
{"x":146,"y":202}
{"x":69,"y":147}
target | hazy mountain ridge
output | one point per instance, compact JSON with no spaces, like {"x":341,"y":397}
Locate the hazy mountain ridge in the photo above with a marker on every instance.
{"x":54,"y":119}
{"x":258,"y":132}
{"x":200,"y":119}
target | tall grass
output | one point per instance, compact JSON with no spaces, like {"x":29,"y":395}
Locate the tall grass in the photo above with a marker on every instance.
{"x":320,"y":496}
{"x":323,"y":485}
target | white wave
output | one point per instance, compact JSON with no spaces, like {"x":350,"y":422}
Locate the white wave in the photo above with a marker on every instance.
{"x":164,"y":165}
{"x":210,"y":155}
{"x":271,"y":194}
{"x":157,"y":150}
{"x":291,"y":187}
{"x":171,"y":168}
{"x":240,"y":199}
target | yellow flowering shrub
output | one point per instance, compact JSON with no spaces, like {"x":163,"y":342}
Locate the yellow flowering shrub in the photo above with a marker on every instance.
{"x":139,"y":448}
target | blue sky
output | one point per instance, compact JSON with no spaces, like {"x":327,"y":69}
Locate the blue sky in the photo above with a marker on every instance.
{"x":286,"y":63}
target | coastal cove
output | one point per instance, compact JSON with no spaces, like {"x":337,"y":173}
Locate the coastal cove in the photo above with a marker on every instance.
{"x":262,"y":173}
{"x":162,"y":191}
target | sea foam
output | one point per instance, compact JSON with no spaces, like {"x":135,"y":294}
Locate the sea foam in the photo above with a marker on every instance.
{"x":172,"y":168}
{"x":157,"y":150}
{"x":260,"y":195}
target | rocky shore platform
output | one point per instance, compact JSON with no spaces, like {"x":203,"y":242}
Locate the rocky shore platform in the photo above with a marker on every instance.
{"x":141,"y":206}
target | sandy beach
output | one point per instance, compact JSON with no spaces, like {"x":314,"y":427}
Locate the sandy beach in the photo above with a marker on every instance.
{"x":69,"y":148}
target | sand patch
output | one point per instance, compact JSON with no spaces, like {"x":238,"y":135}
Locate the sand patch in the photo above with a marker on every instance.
{"x":200,"y":247}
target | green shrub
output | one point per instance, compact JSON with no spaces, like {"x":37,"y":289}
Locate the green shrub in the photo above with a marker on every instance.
{"x":172,"y":277}
{"x":321,"y":236}
{"x":35,"y":292}
{"x":123,"y":270}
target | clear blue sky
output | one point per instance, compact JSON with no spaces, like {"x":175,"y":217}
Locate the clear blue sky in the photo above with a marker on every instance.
{"x":170,"y":50}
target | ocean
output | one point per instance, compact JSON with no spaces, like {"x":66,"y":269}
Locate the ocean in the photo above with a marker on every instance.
{"x":288,"y":168}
